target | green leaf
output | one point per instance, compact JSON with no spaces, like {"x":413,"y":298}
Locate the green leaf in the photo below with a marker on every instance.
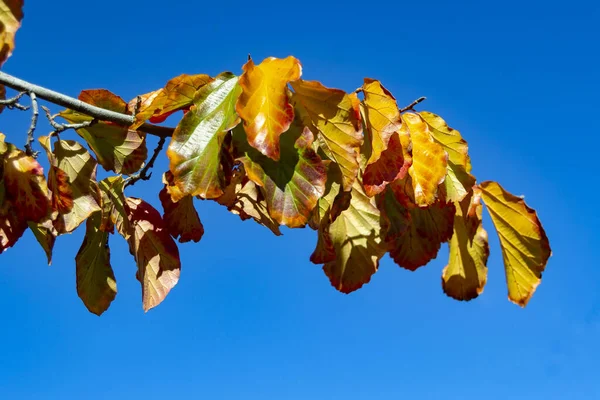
{"x":96,"y":284}
{"x":116,"y":147}
{"x":195,"y":149}
{"x":355,"y":240}
{"x":292,"y":185}
{"x":45,"y":234}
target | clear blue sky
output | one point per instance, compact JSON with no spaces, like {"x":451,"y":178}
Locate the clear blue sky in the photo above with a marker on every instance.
{"x":252,"y":318}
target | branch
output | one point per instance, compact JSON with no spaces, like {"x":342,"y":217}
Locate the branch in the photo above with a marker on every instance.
{"x":143,"y":174}
{"x":412,"y":105}
{"x":32,"y":126}
{"x":77,"y":105}
{"x":58,"y":128}
{"x":13,"y":102}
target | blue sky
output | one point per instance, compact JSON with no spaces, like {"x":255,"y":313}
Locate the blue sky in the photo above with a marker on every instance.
{"x":252,"y":318}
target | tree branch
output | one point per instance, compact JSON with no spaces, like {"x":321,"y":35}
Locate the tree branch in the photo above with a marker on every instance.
{"x":32,"y":126}
{"x":412,"y":105}
{"x":143,"y":174}
{"x":98,"y":113}
{"x":13,"y":102}
{"x":58,"y":128}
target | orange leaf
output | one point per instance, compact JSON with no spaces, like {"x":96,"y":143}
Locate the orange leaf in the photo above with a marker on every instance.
{"x":11,"y":14}
{"x":263,"y":104}
{"x":181,"y":218}
{"x":155,"y":252}
{"x":392,"y":165}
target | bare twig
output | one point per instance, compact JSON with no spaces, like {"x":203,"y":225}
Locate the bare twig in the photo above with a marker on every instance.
{"x":13,"y":102}
{"x":412,"y":105}
{"x":98,"y":113}
{"x":32,"y":126}
{"x":58,"y":128}
{"x":143,"y":174}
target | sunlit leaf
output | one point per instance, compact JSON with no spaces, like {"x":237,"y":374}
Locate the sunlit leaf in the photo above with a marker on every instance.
{"x":195,"y":149}
{"x":334,"y":117}
{"x":26,"y":187}
{"x":418,"y":243}
{"x":72,"y":181}
{"x":292,"y":185}
{"x":245,"y":199}
{"x":466,"y":273}
{"x":45,"y":234}
{"x":355,"y":240}
{"x":181,"y":218}
{"x":11,"y":227}
{"x":525,"y":247}
{"x":263,"y":104}
{"x":429,"y":160}
{"x":96,"y":284}
{"x":117,"y":148}
{"x":458,"y":180}
{"x":114,"y":208}
{"x":177,"y":94}
{"x":382,"y":117}
{"x":11,"y":14}
{"x":393,"y":164}
{"x":155,"y":253}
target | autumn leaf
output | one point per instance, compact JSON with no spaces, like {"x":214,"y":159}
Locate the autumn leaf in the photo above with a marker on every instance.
{"x":181,"y":218}
{"x":72,"y":181}
{"x":382,"y":117}
{"x":334,"y":117}
{"x":117,"y":148}
{"x":11,"y":227}
{"x":114,"y":207}
{"x":429,"y":160}
{"x":96,"y":284}
{"x":294,"y":184}
{"x":45,"y":233}
{"x":458,"y":180}
{"x":195,"y":149}
{"x":177,"y":94}
{"x":414,"y":234}
{"x":11,"y":14}
{"x":25,"y":186}
{"x":466,"y":273}
{"x":244,"y":198}
{"x":393,"y":164}
{"x":355,"y":240}
{"x":263,"y":104}
{"x":155,"y":252}
{"x":525,"y":246}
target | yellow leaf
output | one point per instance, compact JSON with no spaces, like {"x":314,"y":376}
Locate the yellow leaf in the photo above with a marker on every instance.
{"x":335,"y":117}
{"x":466,"y":273}
{"x":382,"y":117}
{"x":429,"y":161}
{"x":525,"y":246}
{"x":11,"y":14}
{"x":263,"y":104}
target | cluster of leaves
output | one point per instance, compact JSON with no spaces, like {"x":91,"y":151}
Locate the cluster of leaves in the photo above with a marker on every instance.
{"x":369,"y":177}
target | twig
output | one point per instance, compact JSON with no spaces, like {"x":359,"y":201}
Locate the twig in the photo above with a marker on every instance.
{"x":58,"y":128}
{"x":143,"y":174}
{"x":412,"y":105}
{"x":13,"y":102}
{"x":32,"y":126}
{"x":98,"y":113}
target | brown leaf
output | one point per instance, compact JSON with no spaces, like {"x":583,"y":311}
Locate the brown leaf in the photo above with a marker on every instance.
{"x":181,"y":218}
{"x":155,"y":252}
